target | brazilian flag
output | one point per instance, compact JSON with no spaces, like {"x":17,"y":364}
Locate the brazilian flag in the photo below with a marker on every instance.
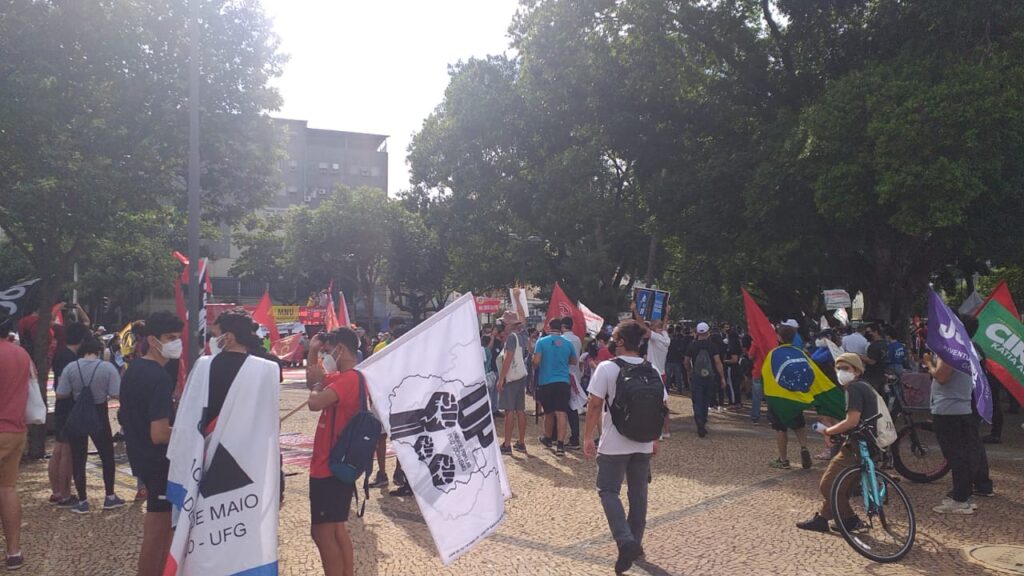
{"x":793,"y":383}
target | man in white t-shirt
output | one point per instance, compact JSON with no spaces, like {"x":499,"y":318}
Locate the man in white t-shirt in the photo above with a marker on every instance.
{"x":618,"y":457}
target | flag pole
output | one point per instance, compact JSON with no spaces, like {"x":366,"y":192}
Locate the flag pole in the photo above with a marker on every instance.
{"x":193,"y":183}
{"x":294,"y":410}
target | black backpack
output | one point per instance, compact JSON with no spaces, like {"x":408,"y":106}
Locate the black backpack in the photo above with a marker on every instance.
{"x":352,"y":453}
{"x":703,"y":368}
{"x":83,"y":421}
{"x":638,"y":410}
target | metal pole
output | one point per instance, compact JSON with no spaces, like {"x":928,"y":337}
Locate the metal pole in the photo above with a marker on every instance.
{"x":193,"y":183}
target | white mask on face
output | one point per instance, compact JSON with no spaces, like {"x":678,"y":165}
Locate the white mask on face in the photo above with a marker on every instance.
{"x":846,"y":376}
{"x":821,"y":343}
{"x":330,"y":364}
{"x":215,"y":347}
{"x":171,"y":350}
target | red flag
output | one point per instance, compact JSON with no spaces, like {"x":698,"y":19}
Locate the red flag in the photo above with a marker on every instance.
{"x":57,"y":313}
{"x":331,"y":323}
{"x":561,"y":307}
{"x":1002,"y":295}
{"x":264,"y":316}
{"x":179,"y":302}
{"x":289,"y":348}
{"x":343,"y":317}
{"x":761,"y":331}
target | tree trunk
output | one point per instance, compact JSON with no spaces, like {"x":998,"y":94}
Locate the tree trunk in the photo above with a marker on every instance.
{"x":651,"y":253}
{"x":41,"y":341}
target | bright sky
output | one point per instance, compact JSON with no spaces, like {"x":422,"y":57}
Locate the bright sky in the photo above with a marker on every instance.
{"x":379,"y":66}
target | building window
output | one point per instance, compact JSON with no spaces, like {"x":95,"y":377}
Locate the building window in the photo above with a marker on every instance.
{"x":335,"y":167}
{"x":293,"y":190}
{"x":323,"y":167}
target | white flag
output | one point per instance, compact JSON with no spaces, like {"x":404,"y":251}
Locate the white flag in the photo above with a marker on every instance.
{"x":519,"y":305}
{"x":593,"y":321}
{"x":823,"y":323}
{"x":225,"y":487}
{"x":429,"y":391}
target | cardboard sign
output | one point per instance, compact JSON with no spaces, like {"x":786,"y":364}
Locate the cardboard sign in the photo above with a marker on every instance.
{"x":836,"y":299}
{"x":651,"y":304}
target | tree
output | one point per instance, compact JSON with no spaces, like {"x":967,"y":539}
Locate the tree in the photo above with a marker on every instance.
{"x":93,"y":110}
{"x":417,"y":267}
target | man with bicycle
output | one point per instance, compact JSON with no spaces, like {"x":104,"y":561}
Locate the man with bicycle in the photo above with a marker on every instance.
{"x":861,"y":405}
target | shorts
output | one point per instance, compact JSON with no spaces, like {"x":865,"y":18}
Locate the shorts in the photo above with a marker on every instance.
{"x":330,"y":500}
{"x":778,"y":426}
{"x":156,"y":486}
{"x":61,"y":410}
{"x":513,"y":396}
{"x":554,"y":397}
{"x":12,"y":444}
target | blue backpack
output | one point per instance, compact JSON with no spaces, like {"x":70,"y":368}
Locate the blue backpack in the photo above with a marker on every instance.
{"x":352,"y":453}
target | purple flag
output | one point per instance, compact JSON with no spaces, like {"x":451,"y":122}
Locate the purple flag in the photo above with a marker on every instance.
{"x":947,"y":337}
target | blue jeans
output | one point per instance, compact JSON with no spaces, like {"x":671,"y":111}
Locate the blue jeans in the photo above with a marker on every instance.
{"x":674,"y":376}
{"x":701,"y":392}
{"x":757,"y":391}
{"x":635,"y":469}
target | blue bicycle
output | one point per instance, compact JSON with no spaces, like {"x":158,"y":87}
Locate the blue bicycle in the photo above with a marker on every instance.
{"x":885,"y":529}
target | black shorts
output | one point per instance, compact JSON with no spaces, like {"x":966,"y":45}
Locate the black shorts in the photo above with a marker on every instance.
{"x":554,"y":397}
{"x":778,"y":426}
{"x":61,"y":410}
{"x":329,"y":500}
{"x":156,"y":486}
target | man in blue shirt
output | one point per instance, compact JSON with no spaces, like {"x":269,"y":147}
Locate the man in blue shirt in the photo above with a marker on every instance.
{"x":552,"y":357}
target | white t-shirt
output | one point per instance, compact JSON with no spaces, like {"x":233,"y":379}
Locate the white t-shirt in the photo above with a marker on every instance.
{"x":856,"y":343}
{"x":602,"y":385}
{"x":578,"y":347}
{"x":657,"y":350}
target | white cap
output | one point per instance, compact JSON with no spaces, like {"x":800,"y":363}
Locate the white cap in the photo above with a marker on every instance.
{"x":703,"y":328}
{"x":791,"y":323}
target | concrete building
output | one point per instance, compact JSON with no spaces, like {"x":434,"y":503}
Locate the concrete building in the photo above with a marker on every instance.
{"x":315,"y":162}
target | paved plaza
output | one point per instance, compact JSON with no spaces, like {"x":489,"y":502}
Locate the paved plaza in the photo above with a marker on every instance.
{"x":716,"y":508}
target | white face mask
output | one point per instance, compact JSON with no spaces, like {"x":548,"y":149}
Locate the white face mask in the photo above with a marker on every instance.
{"x":215,"y":347}
{"x":821,"y":343}
{"x":846,"y":376}
{"x":330,"y":364}
{"x":171,"y":350}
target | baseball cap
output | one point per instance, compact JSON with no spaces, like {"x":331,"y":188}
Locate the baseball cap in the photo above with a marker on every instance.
{"x":791,"y":323}
{"x":510,"y":318}
{"x":703,"y":328}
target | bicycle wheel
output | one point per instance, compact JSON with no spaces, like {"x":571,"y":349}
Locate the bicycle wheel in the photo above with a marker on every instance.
{"x":884,"y":532}
{"x":916,"y":454}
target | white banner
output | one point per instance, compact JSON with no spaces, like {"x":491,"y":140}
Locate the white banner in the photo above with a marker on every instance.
{"x":594,"y":322}
{"x":519,"y":305}
{"x":225,"y":486}
{"x":429,"y":390}
{"x":835,"y":299}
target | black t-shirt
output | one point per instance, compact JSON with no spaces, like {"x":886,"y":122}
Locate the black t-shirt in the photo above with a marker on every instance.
{"x":676,"y":350}
{"x":223,"y":369}
{"x":875,"y":373}
{"x":61,"y":359}
{"x":861,"y":398}
{"x":693,"y":350}
{"x":147,"y":392}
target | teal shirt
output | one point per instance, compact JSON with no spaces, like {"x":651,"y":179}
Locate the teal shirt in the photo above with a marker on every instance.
{"x":555,"y":354}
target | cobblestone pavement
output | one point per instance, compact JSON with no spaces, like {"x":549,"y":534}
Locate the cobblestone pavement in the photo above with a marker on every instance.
{"x":715,"y":508}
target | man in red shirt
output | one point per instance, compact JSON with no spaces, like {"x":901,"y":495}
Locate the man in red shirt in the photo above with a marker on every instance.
{"x":337,"y":398}
{"x":15,"y":370}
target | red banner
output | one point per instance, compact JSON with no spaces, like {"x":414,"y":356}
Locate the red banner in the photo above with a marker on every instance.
{"x":289,"y":348}
{"x":487,"y":305}
{"x":265,"y":317}
{"x":560,"y":307}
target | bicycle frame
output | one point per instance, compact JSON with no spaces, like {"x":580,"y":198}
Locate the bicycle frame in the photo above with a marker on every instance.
{"x":872,"y":493}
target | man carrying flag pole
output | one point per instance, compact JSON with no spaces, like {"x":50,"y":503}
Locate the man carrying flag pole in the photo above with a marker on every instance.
{"x":999,"y":334}
{"x":956,"y":370}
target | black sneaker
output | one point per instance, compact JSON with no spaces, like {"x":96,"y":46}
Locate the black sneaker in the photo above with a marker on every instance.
{"x":560,"y":449}
{"x":399,"y":478}
{"x":805,"y":458}
{"x":573,"y":446}
{"x":702,"y":431}
{"x":519,"y":447}
{"x":990,"y":439}
{"x":984,"y":493}
{"x":15,"y":562}
{"x":628,"y":552}
{"x":816,"y":524}
{"x":545,"y":441}
{"x":403,"y":490}
{"x":381,"y":480}
{"x":506,"y":449}
{"x":851,"y":523}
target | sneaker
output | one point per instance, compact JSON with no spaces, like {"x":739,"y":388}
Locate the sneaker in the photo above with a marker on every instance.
{"x":574,"y":446}
{"x":112,"y":502}
{"x":545,"y":441}
{"x":666,"y":435}
{"x":55,"y":498}
{"x":702,"y":431}
{"x":779,"y":464}
{"x":628,"y":552}
{"x":805,"y":459}
{"x":403,"y":490}
{"x":142,"y":494}
{"x":815,"y":524}
{"x":851,"y":523}
{"x":81,"y":507}
{"x":560,"y":449}
{"x":990,"y":439}
{"x":984,"y":494}
{"x":69,"y":502}
{"x":970,"y":499}
{"x":506,"y":449}
{"x":950,"y":506}
{"x":519,"y":447}
{"x":15,"y":562}
{"x":825,"y":454}
{"x":381,"y":480}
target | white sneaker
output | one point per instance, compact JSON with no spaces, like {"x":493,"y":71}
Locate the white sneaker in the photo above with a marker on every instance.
{"x":666,"y":435}
{"x":970,"y":501}
{"x":950,"y":506}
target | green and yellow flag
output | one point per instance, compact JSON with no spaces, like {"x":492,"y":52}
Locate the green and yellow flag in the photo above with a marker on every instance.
{"x":793,"y":383}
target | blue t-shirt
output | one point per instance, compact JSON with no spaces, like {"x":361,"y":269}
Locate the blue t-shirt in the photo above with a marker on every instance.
{"x":555,"y":353}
